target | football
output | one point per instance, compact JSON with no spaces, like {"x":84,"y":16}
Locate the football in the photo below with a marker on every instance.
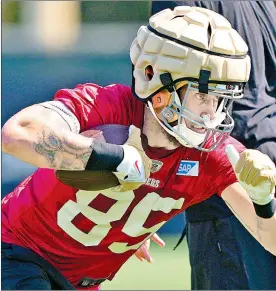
{"x":96,"y":180}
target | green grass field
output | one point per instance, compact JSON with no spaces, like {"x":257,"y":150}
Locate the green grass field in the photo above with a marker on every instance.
{"x":170,"y":270}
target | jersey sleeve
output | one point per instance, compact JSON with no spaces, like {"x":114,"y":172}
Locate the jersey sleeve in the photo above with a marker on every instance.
{"x":225,"y":173}
{"x":95,"y":105}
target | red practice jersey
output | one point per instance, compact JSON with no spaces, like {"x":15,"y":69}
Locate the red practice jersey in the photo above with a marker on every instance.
{"x":92,"y":234}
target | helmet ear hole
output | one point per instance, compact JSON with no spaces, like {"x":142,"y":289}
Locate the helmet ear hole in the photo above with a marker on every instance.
{"x":149,"y":72}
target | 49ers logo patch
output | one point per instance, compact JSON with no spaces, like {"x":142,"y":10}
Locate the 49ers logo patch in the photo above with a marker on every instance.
{"x":156,"y":166}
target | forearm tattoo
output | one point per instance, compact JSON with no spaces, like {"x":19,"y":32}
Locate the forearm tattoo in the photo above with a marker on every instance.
{"x":62,"y":153}
{"x":261,"y":225}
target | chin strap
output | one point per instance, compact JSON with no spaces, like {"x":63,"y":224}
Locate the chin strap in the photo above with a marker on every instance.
{"x":194,"y":138}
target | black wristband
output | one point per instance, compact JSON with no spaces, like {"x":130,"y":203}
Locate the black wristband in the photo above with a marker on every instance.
{"x":267,"y":210}
{"x":105,"y":156}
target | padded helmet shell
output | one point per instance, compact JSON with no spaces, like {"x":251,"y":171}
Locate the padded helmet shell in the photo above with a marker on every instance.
{"x":184,"y":41}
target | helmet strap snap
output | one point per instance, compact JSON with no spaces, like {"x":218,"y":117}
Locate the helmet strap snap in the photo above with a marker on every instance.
{"x":203,"y":81}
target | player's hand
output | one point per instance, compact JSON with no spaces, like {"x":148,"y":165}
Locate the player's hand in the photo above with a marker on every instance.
{"x":135,"y":167}
{"x":256,"y":173}
{"x":143,"y":252}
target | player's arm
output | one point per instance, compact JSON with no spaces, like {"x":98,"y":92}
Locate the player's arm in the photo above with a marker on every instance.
{"x":46,"y":135}
{"x":252,"y":199}
{"x":46,"y":138}
{"x":263,"y":229}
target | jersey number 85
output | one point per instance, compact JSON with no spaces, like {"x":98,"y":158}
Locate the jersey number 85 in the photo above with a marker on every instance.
{"x":133,"y":226}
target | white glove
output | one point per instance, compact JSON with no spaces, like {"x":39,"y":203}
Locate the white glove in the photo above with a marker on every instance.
{"x":131,"y":168}
{"x":135,"y":167}
{"x":255,"y":172}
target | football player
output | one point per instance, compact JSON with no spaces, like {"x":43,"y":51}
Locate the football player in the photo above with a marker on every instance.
{"x":189,"y":65}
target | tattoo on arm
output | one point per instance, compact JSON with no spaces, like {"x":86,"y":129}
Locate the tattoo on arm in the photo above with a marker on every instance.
{"x":261,"y":225}
{"x":62,"y":153}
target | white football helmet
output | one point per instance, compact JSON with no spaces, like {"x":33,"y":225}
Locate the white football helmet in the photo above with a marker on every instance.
{"x":198,"y":48}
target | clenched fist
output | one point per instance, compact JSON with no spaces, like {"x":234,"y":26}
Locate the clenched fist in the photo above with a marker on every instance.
{"x":255,"y":172}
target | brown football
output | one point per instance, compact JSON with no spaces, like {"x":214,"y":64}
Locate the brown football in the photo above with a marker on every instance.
{"x":96,"y":180}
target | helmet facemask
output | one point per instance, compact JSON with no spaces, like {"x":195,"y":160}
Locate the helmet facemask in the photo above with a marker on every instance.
{"x":193,"y":130}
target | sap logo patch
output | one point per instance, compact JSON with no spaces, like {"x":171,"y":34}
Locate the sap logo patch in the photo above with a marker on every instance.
{"x":188,"y":168}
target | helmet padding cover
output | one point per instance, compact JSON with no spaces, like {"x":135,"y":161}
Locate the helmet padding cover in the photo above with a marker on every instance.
{"x":183,"y":42}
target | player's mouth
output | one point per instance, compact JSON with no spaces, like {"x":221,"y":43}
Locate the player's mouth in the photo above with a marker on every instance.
{"x":192,"y":126}
{"x":196,"y":128}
